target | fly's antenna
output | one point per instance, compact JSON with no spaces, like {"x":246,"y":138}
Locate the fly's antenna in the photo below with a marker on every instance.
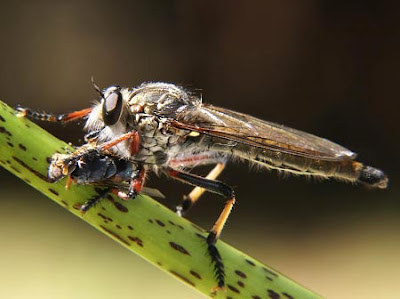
{"x":96,"y":87}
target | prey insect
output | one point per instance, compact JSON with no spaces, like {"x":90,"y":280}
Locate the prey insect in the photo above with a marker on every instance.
{"x":162,"y":127}
{"x":90,"y":167}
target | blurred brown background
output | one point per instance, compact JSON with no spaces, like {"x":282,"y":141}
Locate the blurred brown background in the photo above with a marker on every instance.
{"x":331,"y":68}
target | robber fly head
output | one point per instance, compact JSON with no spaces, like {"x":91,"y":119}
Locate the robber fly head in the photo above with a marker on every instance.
{"x":109,"y":110}
{"x":111,"y":103}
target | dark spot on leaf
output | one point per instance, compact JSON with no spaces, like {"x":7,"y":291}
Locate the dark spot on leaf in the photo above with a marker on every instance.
{"x":21,"y":146}
{"x":250,"y":262}
{"x":120,"y":207}
{"x":33,"y":158}
{"x":255,"y":297}
{"x":16,"y":170}
{"x":240,"y":284}
{"x":179,"y":248}
{"x":102,"y":216}
{"x":150,"y":220}
{"x":182,"y":277}
{"x":287,"y":295}
{"x":273,"y":295}
{"x":64,"y":203}
{"x":10,"y":144}
{"x":2,"y":119}
{"x":38,"y":174}
{"x":118,"y":226}
{"x":180,"y":226}
{"x":48,"y":160}
{"x":233,"y":289}
{"x":172,"y":223}
{"x":241,"y":274}
{"x":130,"y":227}
{"x":270,"y":272}
{"x":54,"y":192}
{"x":114,"y":235}
{"x":195,"y":274}
{"x":200,"y":236}
{"x":137,"y":240}
{"x":160,"y":223}
{"x":4,"y":131}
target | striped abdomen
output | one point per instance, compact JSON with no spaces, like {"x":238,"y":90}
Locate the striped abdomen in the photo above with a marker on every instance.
{"x":342,"y":169}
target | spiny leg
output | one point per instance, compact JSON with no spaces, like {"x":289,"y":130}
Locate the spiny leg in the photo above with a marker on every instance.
{"x":94,"y":200}
{"x":213,"y":236}
{"x":22,"y":112}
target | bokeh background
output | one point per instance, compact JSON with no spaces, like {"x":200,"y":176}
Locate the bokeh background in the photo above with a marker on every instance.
{"x":331,"y":68}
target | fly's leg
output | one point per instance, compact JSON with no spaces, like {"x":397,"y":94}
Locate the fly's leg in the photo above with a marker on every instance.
{"x":225,"y":191}
{"x":22,"y":112}
{"x":94,"y":200}
{"x":86,"y":151}
{"x":92,"y":137}
{"x":135,"y":185}
{"x":190,"y":199}
{"x":133,"y":146}
{"x":186,"y":161}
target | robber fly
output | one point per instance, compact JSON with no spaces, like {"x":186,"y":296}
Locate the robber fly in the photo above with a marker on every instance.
{"x":164,"y":128}
{"x":90,"y":167}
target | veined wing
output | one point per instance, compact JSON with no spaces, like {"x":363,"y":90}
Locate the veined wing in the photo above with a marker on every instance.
{"x":245,"y":129}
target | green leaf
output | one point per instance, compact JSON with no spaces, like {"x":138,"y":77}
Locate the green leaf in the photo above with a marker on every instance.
{"x":142,"y":225}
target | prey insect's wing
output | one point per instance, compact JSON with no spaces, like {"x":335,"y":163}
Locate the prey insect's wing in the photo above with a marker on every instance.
{"x":253,"y":132}
{"x":124,"y":186}
{"x":152,"y":192}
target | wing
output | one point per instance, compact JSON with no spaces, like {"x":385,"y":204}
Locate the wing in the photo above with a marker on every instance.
{"x":124,"y":186}
{"x":251,"y":131}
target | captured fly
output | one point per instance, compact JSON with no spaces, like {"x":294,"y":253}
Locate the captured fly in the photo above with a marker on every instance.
{"x":93,"y":168}
{"x":164,"y":128}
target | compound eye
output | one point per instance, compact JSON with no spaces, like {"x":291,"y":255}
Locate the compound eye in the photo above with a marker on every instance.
{"x":112,"y":108}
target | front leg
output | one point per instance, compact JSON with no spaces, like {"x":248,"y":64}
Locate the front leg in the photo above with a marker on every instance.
{"x":47,"y":117}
